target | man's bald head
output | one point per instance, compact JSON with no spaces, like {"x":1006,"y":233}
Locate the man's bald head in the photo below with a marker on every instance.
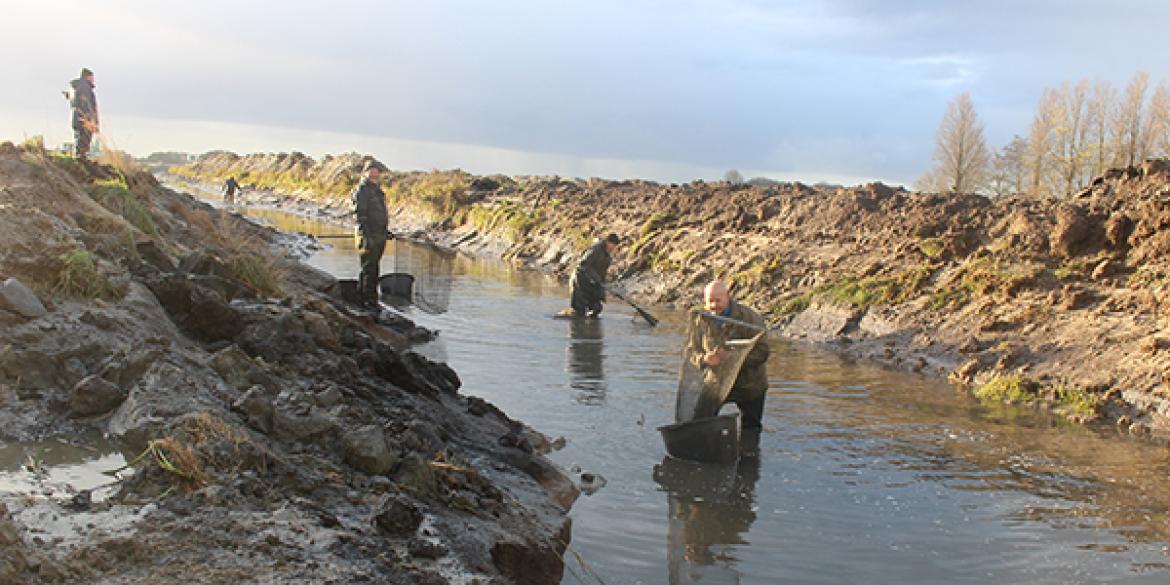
{"x":716,"y":296}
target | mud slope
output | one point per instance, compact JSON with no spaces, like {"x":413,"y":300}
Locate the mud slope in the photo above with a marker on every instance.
{"x":284,"y":437}
{"x":1060,"y":303}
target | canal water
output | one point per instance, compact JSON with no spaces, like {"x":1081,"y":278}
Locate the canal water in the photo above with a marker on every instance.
{"x":863,"y":475}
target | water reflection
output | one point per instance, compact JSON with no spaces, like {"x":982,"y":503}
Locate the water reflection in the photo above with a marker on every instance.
{"x":710,"y":510}
{"x":584,"y":360}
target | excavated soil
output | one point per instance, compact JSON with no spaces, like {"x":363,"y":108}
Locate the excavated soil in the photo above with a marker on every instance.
{"x":1057,"y":302}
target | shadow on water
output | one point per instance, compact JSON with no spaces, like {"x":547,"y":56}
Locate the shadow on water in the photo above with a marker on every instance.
{"x":710,"y":510}
{"x":585,"y":355}
{"x":862,"y":475}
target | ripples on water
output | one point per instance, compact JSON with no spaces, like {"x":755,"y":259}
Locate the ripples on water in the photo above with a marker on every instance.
{"x":863,"y":475}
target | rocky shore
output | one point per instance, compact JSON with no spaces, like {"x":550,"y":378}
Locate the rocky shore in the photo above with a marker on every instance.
{"x":272,"y":432}
{"x":1060,"y":303}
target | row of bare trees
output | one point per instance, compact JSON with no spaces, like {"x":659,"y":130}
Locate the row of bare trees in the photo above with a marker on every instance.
{"x":1078,"y":131}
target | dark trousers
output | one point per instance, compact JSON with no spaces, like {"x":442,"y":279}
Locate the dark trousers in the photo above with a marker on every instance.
{"x":82,"y":138}
{"x":751,"y":412}
{"x":371,"y":256}
{"x":585,"y":297}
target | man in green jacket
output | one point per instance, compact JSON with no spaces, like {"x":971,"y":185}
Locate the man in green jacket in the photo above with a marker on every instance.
{"x":587,"y":285}
{"x":369,"y":204}
{"x":707,"y":340}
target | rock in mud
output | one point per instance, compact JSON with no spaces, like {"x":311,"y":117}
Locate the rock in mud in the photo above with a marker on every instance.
{"x":94,"y":395}
{"x":197,"y":309}
{"x":256,"y":406}
{"x":18,"y":298}
{"x":397,"y":516}
{"x":366,"y":450}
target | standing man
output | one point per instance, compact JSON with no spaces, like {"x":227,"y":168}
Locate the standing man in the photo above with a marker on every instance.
{"x":708,"y":337}
{"x":229,"y":190}
{"x":587,"y":285}
{"x":369,"y":204}
{"x":85,"y":112}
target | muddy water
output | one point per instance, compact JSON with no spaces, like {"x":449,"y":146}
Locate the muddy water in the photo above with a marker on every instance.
{"x":862,"y":474}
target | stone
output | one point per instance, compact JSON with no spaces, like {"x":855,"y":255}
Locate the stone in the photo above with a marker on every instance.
{"x":257,"y":409}
{"x":302,"y":427}
{"x":396,"y":515}
{"x":95,"y":395}
{"x":1105,"y":268}
{"x":18,"y":298}
{"x":199,"y":310}
{"x":366,"y":450}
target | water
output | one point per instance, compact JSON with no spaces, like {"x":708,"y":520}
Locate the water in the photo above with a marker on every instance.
{"x":863,"y":474}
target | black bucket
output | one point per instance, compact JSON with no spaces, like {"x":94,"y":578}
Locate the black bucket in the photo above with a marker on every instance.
{"x":399,"y":285}
{"x":708,"y":440}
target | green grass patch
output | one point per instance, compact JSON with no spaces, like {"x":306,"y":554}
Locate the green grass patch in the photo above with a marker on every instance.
{"x":793,"y":305}
{"x":115,"y":195}
{"x":1078,"y":402}
{"x":994,"y":277}
{"x":932,"y":248}
{"x":1013,"y":389}
{"x":80,"y":278}
{"x":760,"y":271}
{"x":877,"y":290}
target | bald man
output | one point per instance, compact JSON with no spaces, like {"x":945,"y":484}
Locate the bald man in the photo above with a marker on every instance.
{"x":708,"y":337}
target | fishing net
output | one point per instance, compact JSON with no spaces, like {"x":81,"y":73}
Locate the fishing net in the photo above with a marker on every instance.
{"x":431,"y":268}
{"x":703,"y":389}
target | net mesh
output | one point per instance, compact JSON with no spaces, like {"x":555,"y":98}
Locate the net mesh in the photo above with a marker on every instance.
{"x":703,"y":389}
{"x":432,"y":269}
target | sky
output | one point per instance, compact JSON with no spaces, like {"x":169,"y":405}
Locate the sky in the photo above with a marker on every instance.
{"x":843,"y":91}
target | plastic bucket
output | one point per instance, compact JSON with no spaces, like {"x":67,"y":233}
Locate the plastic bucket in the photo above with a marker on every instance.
{"x":708,"y":440}
{"x":398,"y":285}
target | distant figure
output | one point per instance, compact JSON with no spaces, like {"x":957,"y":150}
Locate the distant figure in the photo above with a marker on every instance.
{"x":229,"y":190}
{"x":708,"y":337}
{"x":587,"y":285}
{"x":369,"y":204}
{"x":85,"y":112}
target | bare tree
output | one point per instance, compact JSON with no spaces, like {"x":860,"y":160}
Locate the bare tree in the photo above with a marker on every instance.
{"x":1128,"y":122}
{"x":1099,"y":111}
{"x":1158,"y":122}
{"x":1039,"y":158}
{"x":1070,"y":136}
{"x":962,"y":160}
{"x":1008,"y":169}
{"x":733,"y":177}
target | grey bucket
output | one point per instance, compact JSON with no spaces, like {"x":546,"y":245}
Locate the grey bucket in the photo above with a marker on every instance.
{"x":399,"y":285}
{"x":708,"y":440}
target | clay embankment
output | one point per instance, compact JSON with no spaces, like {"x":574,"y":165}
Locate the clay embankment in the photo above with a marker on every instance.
{"x":1060,"y":303}
{"x":285,"y":438}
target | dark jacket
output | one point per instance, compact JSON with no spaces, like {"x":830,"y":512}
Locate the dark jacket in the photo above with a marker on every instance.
{"x":594,"y":264}
{"x":369,"y":204}
{"x":84,"y":102}
{"x":708,"y":334}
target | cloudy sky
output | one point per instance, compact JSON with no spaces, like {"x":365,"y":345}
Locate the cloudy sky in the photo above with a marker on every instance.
{"x":839,"y":90}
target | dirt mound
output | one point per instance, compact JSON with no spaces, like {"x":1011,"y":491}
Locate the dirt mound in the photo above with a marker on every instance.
{"x":276,"y":434}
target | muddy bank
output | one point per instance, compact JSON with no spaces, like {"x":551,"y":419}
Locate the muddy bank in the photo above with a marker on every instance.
{"x":273,"y":433}
{"x":1060,"y":303}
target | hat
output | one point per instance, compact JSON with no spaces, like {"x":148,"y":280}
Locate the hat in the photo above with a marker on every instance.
{"x":373,"y":164}
{"x":613,"y":239}
{"x":85,"y":71}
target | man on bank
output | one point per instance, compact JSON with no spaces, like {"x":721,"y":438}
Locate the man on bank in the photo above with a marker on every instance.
{"x":230,"y":186}
{"x":369,"y":204}
{"x":742,"y":322}
{"x":85,"y":112}
{"x":587,"y":285}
